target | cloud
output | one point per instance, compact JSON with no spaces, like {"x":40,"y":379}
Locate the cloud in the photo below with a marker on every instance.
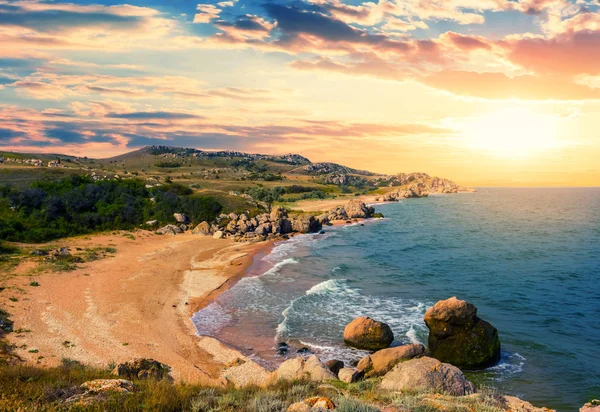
{"x":207,"y":13}
{"x":154,"y":115}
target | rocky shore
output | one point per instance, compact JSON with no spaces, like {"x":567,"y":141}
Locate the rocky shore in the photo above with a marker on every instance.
{"x":276,"y":224}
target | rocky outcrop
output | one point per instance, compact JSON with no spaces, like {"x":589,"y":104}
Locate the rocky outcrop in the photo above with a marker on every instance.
{"x":356,"y":208}
{"x":458,"y":336}
{"x":203,"y":229}
{"x":317,"y":403}
{"x":399,"y":194}
{"x":306,"y":224}
{"x":299,"y":368}
{"x":369,"y":334}
{"x":142,"y":368}
{"x":427,"y":375}
{"x":383,"y":361}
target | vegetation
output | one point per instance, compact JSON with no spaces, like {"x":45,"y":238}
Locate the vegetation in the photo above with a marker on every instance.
{"x":27,"y":388}
{"x":78,"y":205}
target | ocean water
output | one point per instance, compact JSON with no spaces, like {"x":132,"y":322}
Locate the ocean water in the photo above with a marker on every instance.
{"x":529,"y":259}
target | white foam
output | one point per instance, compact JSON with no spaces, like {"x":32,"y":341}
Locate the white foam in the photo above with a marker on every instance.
{"x":210,"y":320}
{"x":331,"y":286}
{"x":277,"y":267}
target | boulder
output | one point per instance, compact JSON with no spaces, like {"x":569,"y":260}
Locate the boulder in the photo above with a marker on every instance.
{"x":350,"y":375}
{"x":334,"y":365}
{"x":383,"y":361}
{"x":219,"y":234}
{"x":263,"y":229}
{"x":202,"y":229}
{"x":181,"y":218}
{"x":300,"y":368}
{"x":356,"y":208}
{"x":152,"y":223}
{"x":318,"y":403}
{"x":306,"y":224}
{"x":369,"y":334}
{"x":277,"y":213}
{"x":108,"y":385}
{"x":338,"y":213}
{"x":285,"y":226}
{"x":169,"y":230}
{"x":427,"y":375}
{"x":592,"y":406}
{"x":142,"y":368}
{"x":458,"y":336}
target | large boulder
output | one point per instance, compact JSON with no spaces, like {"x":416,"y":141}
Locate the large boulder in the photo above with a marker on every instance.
{"x":263,"y":229}
{"x":142,"y":368}
{"x":181,"y":218}
{"x":277,"y":213}
{"x":427,"y":375}
{"x":305,"y":224}
{"x":300,"y":368}
{"x":356,"y":208}
{"x":369,"y":334}
{"x":458,"y":336}
{"x":383,"y":361}
{"x":202,"y":229}
{"x":169,"y":230}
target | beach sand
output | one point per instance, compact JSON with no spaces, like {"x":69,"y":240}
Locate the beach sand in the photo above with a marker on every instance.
{"x":135,"y":304}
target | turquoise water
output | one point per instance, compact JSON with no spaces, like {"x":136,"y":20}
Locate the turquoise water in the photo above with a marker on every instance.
{"x":529,"y":259}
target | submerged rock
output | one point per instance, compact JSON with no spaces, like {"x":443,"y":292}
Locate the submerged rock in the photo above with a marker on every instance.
{"x":383,"y":361}
{"x":369,"y":334}
{"x":458,"y":336}
{"x":427,"y":375}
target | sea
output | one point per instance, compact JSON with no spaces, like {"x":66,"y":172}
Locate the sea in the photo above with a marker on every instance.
{"x":527,"y":258}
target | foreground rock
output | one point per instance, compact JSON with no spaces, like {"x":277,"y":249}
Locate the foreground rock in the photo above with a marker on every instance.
{"x":458,"y":336}
{"x":366,"y":333}
{"x":350,"y":375}
{"x":97,"y":390}
{"x":312,"y":404}
{"x":383,"y":361}
{"x":142,"y":368}
{"x":427,"y":375}
{"x":593,"y":406}
{"x":299,"y":368}
{"x":514,"y":404}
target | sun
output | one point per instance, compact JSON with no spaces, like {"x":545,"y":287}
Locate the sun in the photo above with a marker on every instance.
{"x":512,"y":133}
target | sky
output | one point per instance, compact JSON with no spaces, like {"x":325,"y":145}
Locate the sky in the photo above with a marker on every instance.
{"x":485,"y":92}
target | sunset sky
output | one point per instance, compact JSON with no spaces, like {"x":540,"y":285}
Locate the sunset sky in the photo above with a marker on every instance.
{"x":486,"y":92}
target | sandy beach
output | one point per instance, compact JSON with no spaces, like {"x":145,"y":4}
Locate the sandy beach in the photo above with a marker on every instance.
{"x":135,"y":304}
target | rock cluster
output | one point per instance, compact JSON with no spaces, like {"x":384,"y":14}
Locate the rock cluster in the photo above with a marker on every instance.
{"x":366,"y":333}
{"x":458,"y":336}
{"x":276,"y":223}
{"x":317,"y":403}
{"x":396,"y":195}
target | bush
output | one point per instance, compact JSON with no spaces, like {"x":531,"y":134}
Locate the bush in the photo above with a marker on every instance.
{"x":78,"y":205}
